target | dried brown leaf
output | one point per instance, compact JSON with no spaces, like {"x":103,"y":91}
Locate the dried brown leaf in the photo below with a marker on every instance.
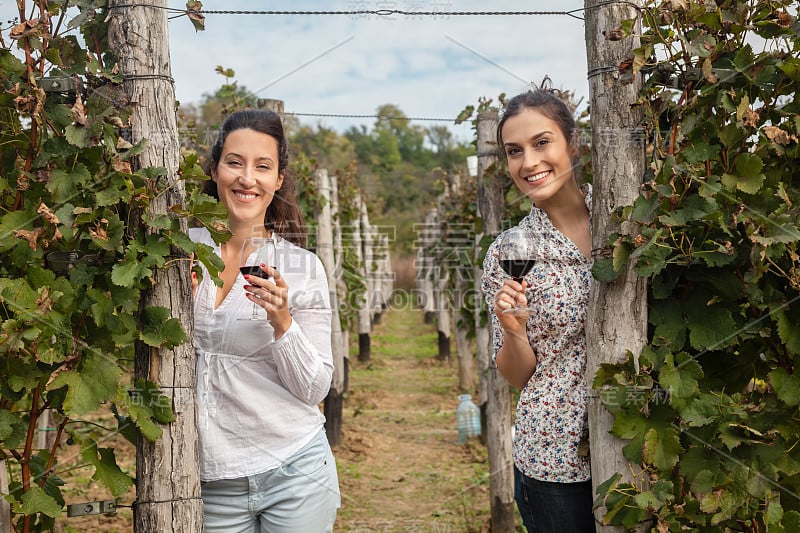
{"x":79,"y":111}
{"x":121,"y":166}
{"x":46,"y":214}
{"x":31,"y":236}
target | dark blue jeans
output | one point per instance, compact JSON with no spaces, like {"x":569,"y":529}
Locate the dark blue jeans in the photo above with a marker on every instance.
{"x":548,"y":507}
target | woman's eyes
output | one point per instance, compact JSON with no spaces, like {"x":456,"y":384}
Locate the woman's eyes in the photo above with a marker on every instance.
{"x":237,"y":163}
{"x":539,"y":144}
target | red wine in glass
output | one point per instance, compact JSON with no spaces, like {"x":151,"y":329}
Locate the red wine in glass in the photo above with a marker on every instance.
{"x":253,"y":271}
{"x":517,"y":256}
{"x":256,"y":251}
{"x":517,"y":268}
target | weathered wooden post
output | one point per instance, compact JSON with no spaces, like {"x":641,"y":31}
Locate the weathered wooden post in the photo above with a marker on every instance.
{"x":425,"y":265}
{"x":341,"y":289}
{"x":334,"y":400}
{"x":271,"y":104}
{"x":440,"y":280}
{"x":617,"y":317}
{"x":5,"y":507}
{"x":167,"y":470}
{"x":463,"y":288}
{"x":364,"y":316}
{"x":494,"y":388}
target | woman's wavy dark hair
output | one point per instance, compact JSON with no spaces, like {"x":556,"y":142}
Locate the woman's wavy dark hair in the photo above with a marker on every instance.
{"x":283,"y":214}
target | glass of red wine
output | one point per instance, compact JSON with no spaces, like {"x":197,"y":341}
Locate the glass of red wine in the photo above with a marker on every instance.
{"x":517,"y":257}
{"x":255,"y":252}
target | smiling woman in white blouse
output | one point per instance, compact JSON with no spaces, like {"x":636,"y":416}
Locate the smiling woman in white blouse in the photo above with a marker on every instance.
{"x":543,"y":350}
{"x":265,"y":460}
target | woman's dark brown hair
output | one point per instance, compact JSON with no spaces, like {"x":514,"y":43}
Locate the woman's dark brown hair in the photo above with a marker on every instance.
{"x":283,"y":214}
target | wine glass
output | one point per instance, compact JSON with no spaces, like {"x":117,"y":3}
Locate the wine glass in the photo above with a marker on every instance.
{"x":255,"y":251}
{"x":517,"y":256}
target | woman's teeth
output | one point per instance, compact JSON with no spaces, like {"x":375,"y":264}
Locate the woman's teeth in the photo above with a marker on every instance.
{"x":537,"y":177}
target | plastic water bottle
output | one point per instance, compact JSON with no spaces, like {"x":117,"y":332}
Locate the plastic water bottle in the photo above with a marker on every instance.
{"x":468,"y":419}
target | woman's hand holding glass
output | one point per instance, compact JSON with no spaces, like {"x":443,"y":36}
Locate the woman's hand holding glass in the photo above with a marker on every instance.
{"x":517,"y":256}
{"x":265,"y":286}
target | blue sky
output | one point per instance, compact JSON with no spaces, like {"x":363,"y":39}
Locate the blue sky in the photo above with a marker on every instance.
{"x":427,"y":66}
{"x":351,"y":64}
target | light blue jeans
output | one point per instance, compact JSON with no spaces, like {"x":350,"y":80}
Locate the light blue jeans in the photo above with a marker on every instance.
{"x":301,"y":495}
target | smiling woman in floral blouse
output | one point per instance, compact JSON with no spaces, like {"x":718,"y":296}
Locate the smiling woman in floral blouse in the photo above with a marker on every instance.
{"x":543,"y":352}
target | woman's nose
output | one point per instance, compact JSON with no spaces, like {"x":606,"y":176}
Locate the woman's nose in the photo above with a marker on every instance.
{"x":530,"y":159}
{"x":246,"y":176}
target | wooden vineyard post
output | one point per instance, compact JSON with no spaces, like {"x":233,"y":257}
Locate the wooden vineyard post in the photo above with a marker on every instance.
{"x":167,"y":470}
{"x":334,"y":400}
{"x":495,"y":390}
{"x":425,"y":265}
{"x":384,"y":281}
{"x":5,"y":507}
{"x":364,"y":317}
{"x":463,"y":288}
{"x":440,"y":276}
{"x":617,"y":316}
{"x":341,"y":289}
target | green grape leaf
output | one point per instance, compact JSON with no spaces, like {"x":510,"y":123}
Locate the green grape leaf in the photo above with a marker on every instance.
{"x":690,"y":209}
{"x":711,"y":327}
{"x":788,"y":331}
{"x":127,"y":273}
{"x":36,"y":500}
{"x":12,"y":429}
{"x":106,"y":470}
{"x":661,"y":448}
{"x":95,"y":381}
{"x":147,"y":406}
{"x":786,"y":385}
{"x":11,"y":222}
{"x":603,"y":270}
{"x":628,"y":425}
{"x":703,"y":482}
{"x":700,"y":411}
{"x":679,"y":376}
{"x":160,"y":329}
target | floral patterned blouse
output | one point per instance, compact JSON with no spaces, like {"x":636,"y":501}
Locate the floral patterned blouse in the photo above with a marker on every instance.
{"x":551,"y":427}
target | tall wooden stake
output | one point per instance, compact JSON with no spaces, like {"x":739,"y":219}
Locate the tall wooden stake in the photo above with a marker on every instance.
{"x":494,"y":388}
{"x":335,"y":399}
{"x":167,"y":470}
{"x":617,"y":318}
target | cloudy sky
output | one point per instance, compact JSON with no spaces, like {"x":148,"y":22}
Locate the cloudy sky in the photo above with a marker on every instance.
{"x":429,"y":67}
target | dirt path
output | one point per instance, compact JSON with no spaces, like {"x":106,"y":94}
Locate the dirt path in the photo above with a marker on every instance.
{"x":400,"y":466}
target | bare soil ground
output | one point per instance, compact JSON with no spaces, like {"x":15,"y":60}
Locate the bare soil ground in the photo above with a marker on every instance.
{"x":401,"y":468}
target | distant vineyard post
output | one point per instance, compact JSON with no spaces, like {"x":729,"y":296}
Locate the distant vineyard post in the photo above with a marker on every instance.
{"x":462,"y":290}
{"x":343,"y":339}
{"x":362,"y":303}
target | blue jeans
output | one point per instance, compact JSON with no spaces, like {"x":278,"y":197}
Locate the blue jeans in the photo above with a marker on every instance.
{"x":548,"y":507}
{"x":300,"y":495}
